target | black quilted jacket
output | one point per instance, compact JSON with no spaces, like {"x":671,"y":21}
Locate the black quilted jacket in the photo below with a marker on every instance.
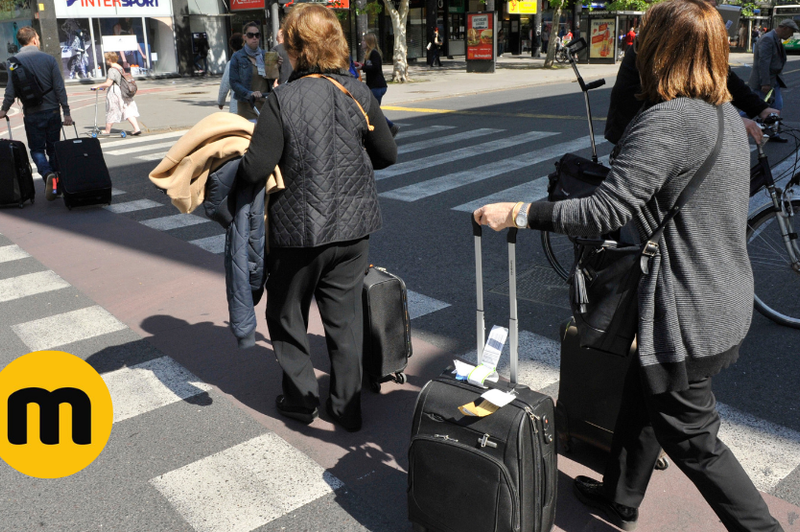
{"x":327,"y":156}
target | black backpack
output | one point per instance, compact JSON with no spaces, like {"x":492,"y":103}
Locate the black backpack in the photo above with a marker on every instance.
{"x":26,"y":86}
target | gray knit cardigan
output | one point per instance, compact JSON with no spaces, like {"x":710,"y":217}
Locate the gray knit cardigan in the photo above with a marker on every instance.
{"x":696,"y":303}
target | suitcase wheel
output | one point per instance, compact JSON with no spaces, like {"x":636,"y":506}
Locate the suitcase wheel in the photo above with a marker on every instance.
{"x":662,"y":463}
{"x":21,"y":204}
{"x":400,"y":378}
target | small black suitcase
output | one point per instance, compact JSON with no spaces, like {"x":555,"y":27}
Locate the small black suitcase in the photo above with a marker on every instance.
{"x":83,"y":177}
{"x":16,"y":178}
{"x":387,"y":327}
{"x":478,"y":474}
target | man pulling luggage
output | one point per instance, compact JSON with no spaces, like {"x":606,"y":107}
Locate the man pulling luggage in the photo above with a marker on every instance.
{"x":35,"y":78}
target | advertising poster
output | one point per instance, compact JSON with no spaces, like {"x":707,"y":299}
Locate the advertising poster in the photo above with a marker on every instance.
{"x":480,"y":37}
{"x":238,"y":5}
{"x":521,"y":7}
{"x":603,"y":33}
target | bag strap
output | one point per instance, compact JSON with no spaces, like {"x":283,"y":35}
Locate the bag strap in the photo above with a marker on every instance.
{"x":347,"y":92}
{"x":651,"y":247}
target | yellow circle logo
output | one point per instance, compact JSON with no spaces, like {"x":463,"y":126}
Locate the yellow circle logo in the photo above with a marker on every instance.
{"x":55,"y":414}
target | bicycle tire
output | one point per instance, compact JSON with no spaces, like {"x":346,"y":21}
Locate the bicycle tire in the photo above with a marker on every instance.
{"x":561,"y":57}
{"x":772,"y":272}
{"x":560,"y":253}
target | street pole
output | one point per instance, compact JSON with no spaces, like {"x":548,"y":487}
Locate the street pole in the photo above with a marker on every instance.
{"x":48,"y":28}
{"x":275,"y":18}
{"x":536,"y":41}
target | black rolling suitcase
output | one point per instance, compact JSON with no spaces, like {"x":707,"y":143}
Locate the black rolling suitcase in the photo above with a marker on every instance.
{"x":387,"y":327}
{"x":478,"y":474}
{"x":16,"y":178}
{"x":83,"y":177}
{"x":590,"y":392}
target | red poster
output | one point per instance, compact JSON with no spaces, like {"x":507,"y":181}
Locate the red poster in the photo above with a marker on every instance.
{"x":237,"y":5}
{"x":480,"y":36}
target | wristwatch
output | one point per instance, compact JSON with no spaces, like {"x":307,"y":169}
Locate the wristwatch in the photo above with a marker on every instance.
{"x":521,"y":220}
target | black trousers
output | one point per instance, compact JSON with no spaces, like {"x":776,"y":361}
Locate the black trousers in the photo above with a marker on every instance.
{"x":334,"y":275}
{"x":685,"y":424}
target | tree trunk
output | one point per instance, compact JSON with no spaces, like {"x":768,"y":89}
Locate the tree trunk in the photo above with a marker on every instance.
{"x":400,"y":52}
{"x":551,"y":44}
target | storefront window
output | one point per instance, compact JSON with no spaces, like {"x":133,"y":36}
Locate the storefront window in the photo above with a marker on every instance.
{"x":79,"y":59}
{"x":14,"y":14}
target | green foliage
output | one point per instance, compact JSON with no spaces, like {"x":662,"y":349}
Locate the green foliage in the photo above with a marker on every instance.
{"x":371,"y":8}
{"x":556,"y":4}
{"x":630,"y":5}
{"x":748,"y":8}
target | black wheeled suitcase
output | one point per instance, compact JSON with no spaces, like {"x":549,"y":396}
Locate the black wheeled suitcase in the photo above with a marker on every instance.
{"x":495,"y":473}
{"x":387,"y":327}
{"x":83,"y":177}
{"x":16,"y":178}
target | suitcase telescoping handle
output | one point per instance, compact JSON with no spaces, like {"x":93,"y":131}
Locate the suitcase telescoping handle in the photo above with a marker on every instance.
{"x":65,"y":133}
{"x":8,"y":123}
{"x":513,"y":329}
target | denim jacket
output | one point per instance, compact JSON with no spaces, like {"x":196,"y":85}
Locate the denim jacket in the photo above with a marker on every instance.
{"x":241,"y":75}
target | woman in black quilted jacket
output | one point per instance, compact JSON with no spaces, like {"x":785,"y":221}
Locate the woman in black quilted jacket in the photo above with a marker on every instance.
{"x":327,"y":133}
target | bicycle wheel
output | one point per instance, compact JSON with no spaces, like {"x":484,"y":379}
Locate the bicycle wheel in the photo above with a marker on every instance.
{"x":777,"y":283}
{"x":561,"y":56}
{"x":560,"y":252}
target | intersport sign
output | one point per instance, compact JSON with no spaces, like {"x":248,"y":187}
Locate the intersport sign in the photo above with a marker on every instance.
{"x":113,"y":8}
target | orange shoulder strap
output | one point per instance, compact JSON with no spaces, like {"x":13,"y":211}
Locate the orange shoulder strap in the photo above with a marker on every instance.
{"x":347,"y":92}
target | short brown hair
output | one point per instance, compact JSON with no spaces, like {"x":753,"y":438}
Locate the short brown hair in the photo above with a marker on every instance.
{"x":313,"y":34}
{"x":111,"y":57}
{"x":25,"y":35}
{"x":682,"y":51}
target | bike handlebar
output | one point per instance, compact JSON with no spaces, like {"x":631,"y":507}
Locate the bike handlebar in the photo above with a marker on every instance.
{"x":596,"y":83}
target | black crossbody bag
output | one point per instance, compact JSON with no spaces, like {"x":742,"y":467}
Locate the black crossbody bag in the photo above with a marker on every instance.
{"x":605,"y":280}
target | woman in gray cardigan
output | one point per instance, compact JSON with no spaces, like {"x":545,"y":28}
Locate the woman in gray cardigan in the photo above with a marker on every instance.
{"x":696,"y":302}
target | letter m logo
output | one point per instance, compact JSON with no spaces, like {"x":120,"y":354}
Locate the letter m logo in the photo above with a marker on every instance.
{"x":49,"y":403}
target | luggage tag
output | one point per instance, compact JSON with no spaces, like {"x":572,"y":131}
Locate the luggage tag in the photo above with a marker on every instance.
{"x":491,"y":355}
{"x":490,"y":402}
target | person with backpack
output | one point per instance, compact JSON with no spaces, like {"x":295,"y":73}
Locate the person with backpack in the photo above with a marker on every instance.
{"x":121,"y":88}
{"x":36,"y":79}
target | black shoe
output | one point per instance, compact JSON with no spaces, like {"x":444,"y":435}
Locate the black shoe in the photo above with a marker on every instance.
{"x":394,"y":129}
{"x":348,"y":425}
{"x":778,"y":139}
{"x":590,"y":493}
{"x":304,"y":415}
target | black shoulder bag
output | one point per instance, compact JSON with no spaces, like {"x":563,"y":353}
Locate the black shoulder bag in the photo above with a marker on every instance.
{"x":605,"y":281}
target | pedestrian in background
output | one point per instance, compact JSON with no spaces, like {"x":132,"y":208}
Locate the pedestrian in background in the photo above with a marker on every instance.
{"x":201,"y":58}
{"x":373,"y":68}
{"x":42,"y":121}
{"x":286,"y":65}
{"x":118,"y":108}
{"x":235,"y":42}
{"x":319,"y":225}
{"x":435,"y":45}
{"x":695,"y":303}
{"x":248,"y":74}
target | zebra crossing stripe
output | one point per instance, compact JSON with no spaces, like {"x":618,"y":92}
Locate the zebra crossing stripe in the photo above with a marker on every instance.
{"x":447,"y":139}
{"x":139,"y":149}
{"x":117,"y":192}
{"x":420,"y":305}
{"x":165,"y":223}
{"x":460,"y":154}
{"x":67,"y":328}
{"x":447,"y":182}
{"x":215,"y":244}
{"x":246,"y":486}
{"x":30,"y":284}
{"x":531,"y":191}
{"x":12,"y":252}
{"x":131,"y":206}
{"x":150,"y":385}
{"x":403,"y":134}
{"x":152,"y":156}
{"x":147,"y":138}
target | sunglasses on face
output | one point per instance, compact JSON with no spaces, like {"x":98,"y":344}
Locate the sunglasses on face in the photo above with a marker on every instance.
{"x":253,"y":35}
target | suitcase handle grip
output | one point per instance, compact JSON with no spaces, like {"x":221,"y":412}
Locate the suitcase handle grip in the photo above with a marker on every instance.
{"x":77,"y":135}
{"x":513,"y":328}
{"x":8,"y":123}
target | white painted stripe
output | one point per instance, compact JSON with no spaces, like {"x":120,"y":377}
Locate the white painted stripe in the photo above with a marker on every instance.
{"x":30,"y":284}
{"x":447,"y":139}
{"x":461,"y":153}
{"x":143,"y":138}
{"x":245,"y":487}
{"x":66,"y":328}
{"x":768,"y":452}
{"x":175,"y":221}
{"x":131,"y":206}
{"x":539,"y":360}
{"x":420,"y":305}
{"x":152,"y":156}
{"x":531,"y":191}
{"x":140,"y":149}
{"x":12,"y":252}
{"x":214,"y":244}
{"x":150,"y":385}
{"x":447,"y":182}
{"x":117,"y":192}
{"x":403,"y":134}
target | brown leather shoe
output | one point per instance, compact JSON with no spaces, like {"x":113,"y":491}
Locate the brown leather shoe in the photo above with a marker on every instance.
{"x":590,"y":493}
